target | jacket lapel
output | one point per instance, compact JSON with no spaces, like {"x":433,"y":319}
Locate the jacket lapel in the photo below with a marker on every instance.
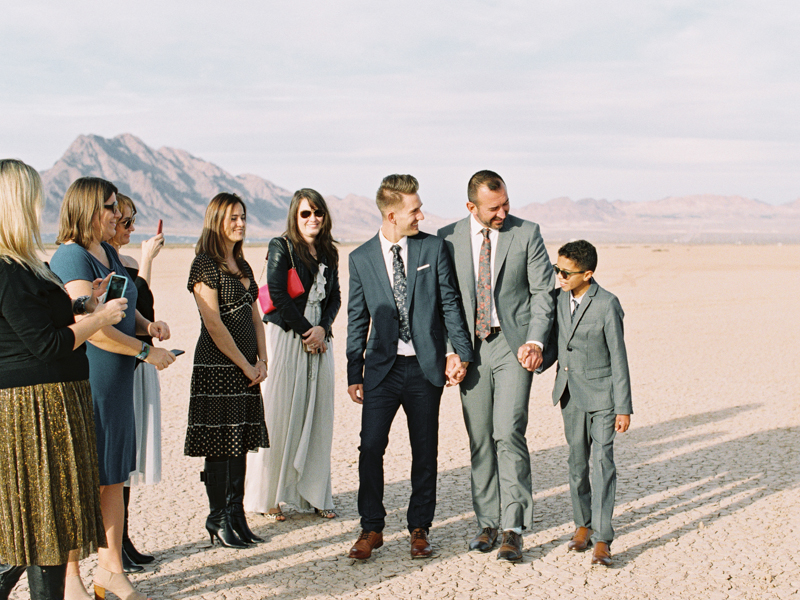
{"x":414,"y":249}
{"x":506,"y":235}
{"x":379,"y":268}
{"x":582,"y":307}
{"x":465,"y":269}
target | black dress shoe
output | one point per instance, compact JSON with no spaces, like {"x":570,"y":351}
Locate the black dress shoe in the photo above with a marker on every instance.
{"x":485,"y":540}
{"x":511,"y":548}
{"x":128,"y":566}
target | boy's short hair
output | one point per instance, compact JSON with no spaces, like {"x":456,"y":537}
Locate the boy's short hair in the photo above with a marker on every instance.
{"x":392,"y":189}
{"x":582,"y":253}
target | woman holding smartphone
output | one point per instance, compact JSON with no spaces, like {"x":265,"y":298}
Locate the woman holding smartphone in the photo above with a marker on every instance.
{"x":226,"y":413}
{"x":296,"y":470}
{"x":88,"y":219}
{"x":146,"y":387}
{"x":48,"y":457}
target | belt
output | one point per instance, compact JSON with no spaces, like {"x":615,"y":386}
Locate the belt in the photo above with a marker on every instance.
{"x":494,"y":330}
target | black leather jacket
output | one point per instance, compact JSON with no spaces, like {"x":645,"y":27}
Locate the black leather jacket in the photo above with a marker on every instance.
{"x":288,"y":313}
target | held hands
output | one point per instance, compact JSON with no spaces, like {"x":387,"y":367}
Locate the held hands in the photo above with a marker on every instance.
{"x":356,"y":392}
{"x":530,"y":356}
{"x":623,"y":422}
{"x":314,"y":338}
{"x":151,"y":247}
{"x":455,"y":370}
{"x":256,"y":373}
{"x":158,"y":329}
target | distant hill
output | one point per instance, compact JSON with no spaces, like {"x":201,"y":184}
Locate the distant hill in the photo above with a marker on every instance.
{"x":176,"y":186}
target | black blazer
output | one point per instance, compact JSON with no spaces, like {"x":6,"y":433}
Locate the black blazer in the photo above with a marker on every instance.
{"x":288,"y":313}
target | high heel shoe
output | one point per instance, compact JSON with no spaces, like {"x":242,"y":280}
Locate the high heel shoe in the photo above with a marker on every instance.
{"x":117,"y":584}
{"x":218,"y":524}
{"x":74,"y":590}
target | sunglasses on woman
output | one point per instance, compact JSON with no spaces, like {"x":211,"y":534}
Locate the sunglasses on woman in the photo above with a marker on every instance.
{"x":128,"y":223}
{"x":304,"y":214}
{"x":112,"y":207}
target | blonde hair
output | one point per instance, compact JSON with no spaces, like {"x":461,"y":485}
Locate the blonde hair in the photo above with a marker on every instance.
{"x":123,"y":202}
{"x":392,"y":189}
{"x":83,"y":200}
{"x":20,"y":208}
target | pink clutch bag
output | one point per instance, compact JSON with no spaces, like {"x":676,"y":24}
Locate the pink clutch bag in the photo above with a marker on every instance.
{"x":293,"y":285}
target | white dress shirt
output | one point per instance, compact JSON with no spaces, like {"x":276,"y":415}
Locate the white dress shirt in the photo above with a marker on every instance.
{"x":403,"y":348}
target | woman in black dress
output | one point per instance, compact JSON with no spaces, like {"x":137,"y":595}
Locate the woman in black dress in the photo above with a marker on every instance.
{"x":226,"y":412}
{"x":50,"y":497}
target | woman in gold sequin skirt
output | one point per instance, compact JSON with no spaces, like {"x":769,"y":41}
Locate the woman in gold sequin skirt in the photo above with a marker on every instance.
{"x":49,"y":500}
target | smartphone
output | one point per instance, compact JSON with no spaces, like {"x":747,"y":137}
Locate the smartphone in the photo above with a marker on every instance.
{"x":116,"y":287}
{"x":178,"y":352}
{"x":160,"y":226}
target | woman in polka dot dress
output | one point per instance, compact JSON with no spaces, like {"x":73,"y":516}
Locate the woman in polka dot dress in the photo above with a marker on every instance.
{"x":226,"y":412}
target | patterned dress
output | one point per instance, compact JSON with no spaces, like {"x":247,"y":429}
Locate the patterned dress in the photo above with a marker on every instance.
{"x":226,"y":418}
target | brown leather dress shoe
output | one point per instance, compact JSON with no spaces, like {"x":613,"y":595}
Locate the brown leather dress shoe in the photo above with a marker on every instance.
{"x":511,"y":548}
{"x":365,"y":544}
{"x":580,"y":540}
{"x":601,"y":555}
{"x":485,"y":539}
{"x":420,"y":547}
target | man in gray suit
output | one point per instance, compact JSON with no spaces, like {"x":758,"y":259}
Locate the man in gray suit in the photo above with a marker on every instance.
{"x":594,"y":389}
{"x":403,"y":294}
{"x":506,"y":282}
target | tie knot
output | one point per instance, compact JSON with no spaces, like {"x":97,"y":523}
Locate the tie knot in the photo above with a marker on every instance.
{"x":485,"y":232}
{"x":396,"y":250}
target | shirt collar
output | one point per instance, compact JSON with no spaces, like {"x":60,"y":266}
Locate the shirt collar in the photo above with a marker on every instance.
{"x":476,"y":226}
{"x":386,"y":245}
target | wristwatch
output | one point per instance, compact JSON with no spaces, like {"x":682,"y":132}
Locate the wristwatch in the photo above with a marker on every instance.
{"x":79,"y":305}
{"x":145,"y":351}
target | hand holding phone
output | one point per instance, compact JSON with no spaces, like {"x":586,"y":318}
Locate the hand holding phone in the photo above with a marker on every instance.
{"x":116,"y":287}
{"x":178,"y":352}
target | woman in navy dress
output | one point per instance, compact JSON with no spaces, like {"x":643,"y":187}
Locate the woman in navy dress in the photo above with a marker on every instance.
{"x":88,"y":219}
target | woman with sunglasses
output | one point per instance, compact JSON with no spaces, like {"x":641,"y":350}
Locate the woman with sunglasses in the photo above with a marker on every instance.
{"x":146,"y":387}
{"x":298,"y":395}
{"x":88,"y":220}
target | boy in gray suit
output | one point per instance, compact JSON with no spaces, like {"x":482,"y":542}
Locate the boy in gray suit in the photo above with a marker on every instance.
{"x":594,"y":390}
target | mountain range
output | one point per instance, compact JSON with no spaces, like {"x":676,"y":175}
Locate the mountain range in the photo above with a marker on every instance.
{"x":175,"y":186}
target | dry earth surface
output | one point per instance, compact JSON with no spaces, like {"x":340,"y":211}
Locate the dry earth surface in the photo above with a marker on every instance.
{"x":707,"y":499}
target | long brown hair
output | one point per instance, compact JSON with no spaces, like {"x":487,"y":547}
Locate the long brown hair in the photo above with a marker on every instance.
{"x":83,"y":200}
{"x":324,"y":242}
{"x":212,"y":242}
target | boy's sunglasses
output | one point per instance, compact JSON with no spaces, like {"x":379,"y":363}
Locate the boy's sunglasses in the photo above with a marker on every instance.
{"x":128,"y":223}
{"x":566,"y":274}
{"x":304,"y":214}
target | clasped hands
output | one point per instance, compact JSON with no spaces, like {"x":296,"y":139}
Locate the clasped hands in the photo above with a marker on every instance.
{"x":455,"y":370}
{"x":530,"y":356}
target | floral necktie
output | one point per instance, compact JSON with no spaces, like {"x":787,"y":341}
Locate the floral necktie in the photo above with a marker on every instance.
{"x":483,"y":317}
{"x":400,"y":291}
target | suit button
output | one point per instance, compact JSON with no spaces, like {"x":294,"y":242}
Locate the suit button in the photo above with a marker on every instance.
{"x":566,"y":368}
{"x":569,"y":348}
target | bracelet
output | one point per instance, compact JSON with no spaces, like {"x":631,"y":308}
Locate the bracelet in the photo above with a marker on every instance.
{"x":145,"y":351}
{"x":264,"y":360}
{"x":79,"y":305}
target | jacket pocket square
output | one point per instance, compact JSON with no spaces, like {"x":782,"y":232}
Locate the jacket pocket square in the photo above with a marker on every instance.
{"x":423,"y":267}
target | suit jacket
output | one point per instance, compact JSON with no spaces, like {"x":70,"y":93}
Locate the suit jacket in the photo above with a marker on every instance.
{"x":591,"y":355}
{"x":434,"y":311}
{"x":288,"y":313}
{"x":523,"y":279}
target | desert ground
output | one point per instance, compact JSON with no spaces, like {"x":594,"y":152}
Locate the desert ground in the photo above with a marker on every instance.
{"x":708,"y":496}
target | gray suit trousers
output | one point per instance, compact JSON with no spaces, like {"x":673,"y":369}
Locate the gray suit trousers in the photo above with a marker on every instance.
{"x":591,"y":433}
{"x":494,"y":398}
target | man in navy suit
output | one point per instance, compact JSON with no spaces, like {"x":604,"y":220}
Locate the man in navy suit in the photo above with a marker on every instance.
{"x":403,"y":285}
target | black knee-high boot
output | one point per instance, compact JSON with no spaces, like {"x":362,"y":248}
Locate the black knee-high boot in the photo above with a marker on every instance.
{"x":136,"y":557}
{"x":47,"y":583}
{"x":9,"y":576}
{"x":218,"y":525}
{"x":237,"y":466}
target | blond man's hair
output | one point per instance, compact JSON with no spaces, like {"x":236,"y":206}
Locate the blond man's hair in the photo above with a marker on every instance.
{"x":393,"y":188}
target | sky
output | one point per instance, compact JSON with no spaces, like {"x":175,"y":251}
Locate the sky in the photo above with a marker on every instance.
{"x":622,"y":100}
